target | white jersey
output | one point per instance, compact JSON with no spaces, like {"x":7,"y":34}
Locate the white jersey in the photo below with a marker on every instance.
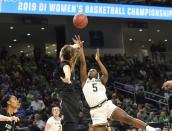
{"x":55,"y":124}
{"x":94,"y":92}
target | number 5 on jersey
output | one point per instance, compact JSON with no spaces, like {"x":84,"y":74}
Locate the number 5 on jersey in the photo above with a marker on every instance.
{"x":94,"y":87}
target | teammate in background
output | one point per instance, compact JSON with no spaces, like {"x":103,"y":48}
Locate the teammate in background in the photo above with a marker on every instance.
{"x":68,"y":94}
{"x":167,"y":85}
{"x":95,"y":94}
{"x":11,"y":105}
{"x":54,"y":122}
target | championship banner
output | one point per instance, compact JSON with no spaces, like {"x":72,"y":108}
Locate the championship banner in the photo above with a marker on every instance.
{"x":44,"y":7}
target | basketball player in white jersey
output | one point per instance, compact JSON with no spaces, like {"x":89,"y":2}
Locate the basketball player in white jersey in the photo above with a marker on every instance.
{"x":54,"y":122}
{"x":95,"y":94}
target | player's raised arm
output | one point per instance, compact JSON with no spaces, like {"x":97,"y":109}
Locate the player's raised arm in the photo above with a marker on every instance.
{"x":167,"y":85}
{"x":103,"y":69}
{"x":83,"y":66}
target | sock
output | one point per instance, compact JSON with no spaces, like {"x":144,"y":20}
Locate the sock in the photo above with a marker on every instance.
{"x":149,"y":128}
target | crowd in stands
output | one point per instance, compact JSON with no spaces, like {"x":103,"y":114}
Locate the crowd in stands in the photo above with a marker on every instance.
{"x":132,"y":71}
{"x":143,"y":111}
{"x":158,"y":52}
{"x":33,"y":83}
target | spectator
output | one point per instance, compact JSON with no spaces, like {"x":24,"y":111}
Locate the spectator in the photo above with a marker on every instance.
{"x":29,"y":96}
{"x":164,"y":117}
{"x":38,"y":121}
{"x":154,"y":52}
{"x":36,"y":104}
{"x":145,"y":54}
{"x":151,"y":116}
{"x":162,"y":51}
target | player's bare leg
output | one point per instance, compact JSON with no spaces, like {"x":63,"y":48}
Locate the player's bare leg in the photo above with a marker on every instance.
{"x":121,"y":116}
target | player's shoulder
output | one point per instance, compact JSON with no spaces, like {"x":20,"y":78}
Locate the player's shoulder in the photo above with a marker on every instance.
{"x":50,"y":119}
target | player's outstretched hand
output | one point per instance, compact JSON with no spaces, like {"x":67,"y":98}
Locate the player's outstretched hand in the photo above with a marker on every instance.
{"x":77,"y":42}
{"x":97,"y":57}
{"x":167,"y":85}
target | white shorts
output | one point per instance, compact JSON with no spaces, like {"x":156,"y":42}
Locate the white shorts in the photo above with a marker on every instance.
{"x":100,"y":115}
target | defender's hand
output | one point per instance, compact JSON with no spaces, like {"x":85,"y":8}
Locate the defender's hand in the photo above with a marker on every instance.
{"x":77,"y":42}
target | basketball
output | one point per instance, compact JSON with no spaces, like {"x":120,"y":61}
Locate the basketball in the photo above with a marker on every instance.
{"x":80,"y":21}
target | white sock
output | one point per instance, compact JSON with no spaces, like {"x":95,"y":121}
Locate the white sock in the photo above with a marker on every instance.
{"x":149,"y":128}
